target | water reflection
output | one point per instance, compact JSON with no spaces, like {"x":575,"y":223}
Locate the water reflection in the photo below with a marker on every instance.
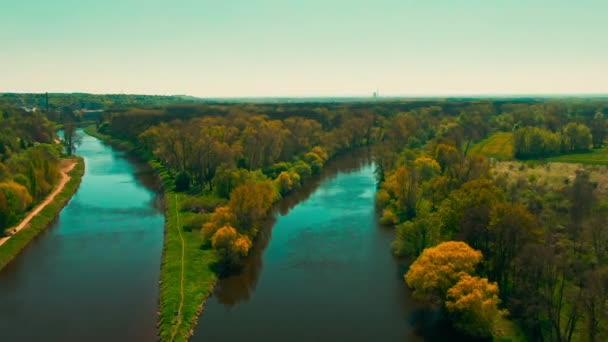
{"x":236,"y":288}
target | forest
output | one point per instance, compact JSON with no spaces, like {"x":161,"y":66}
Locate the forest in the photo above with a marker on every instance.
{"x":487,"y":248}
{"x":516,"y":244}
{"x":488,"y":245}
{"x":29,"y":162}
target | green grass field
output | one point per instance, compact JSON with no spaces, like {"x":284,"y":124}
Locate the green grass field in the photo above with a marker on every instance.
{"x":11,"y":248}
{"x":198,"y":276}
{"x":498,"y":145}
{"x":594,"y":157}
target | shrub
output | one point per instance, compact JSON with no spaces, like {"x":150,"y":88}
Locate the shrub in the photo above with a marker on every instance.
{"x":389,"y":217}
{"x":182,"y":181}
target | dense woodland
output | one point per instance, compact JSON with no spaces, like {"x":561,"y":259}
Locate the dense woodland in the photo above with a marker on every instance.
{"x":240,"y":159}
{"x":485,"y":248}
{"x":29,"y":162}
{"x":525,"y":252}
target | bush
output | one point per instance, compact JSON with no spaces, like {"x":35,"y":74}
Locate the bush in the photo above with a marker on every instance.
{"x":382,"y":198}
{"x":182,"y":181}
{"x":303,"y":169}
{"x":389,"y":217}
{"x":201,"y":204}
{"x":196,"y":222}
{"x":275,"y":170}
{"x":284,"y":183}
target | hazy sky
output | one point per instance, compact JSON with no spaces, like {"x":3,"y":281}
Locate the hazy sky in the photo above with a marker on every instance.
{"x":304,"y":48}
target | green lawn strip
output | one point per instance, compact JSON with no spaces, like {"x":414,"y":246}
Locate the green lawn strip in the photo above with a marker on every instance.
{"x":199,"y":278}
{"x":596,"y":157}
{"x":11,"y":248}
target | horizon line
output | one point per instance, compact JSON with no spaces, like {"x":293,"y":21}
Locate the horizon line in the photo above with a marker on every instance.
{"x":341,"y":96}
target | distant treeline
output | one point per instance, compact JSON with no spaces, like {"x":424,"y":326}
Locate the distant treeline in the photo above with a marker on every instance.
{"x":80,"y":101}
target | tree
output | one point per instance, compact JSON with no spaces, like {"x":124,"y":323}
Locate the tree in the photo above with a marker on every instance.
{"x":466,"y":212}
{"x":222,"y":216}
{"x":576,"y":137}
{"x":231,"y":245}
{"x":511,"y":227}
{"x":402,"y":185}
{"x":182,"y":181}
{"x":582,"y":197}
{"x":412,"y":237}
{"x":439,"y":268}
{"x":250,"y":203}
{"x":598,"y":129}
{"x":284,"y":183}
{"x":595,"y":295}
{"x":473,"y":304}
{"x":71,"y":138}
{"x":17,"y":198}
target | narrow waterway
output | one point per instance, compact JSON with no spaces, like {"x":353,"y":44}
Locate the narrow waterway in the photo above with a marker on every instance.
{"x":93,"y":275}
{"x":325,"y":274}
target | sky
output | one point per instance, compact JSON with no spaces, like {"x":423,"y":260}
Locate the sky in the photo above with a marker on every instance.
{"x":286,"y":48}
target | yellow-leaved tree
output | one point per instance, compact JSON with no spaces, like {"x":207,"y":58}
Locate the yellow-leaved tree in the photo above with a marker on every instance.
{"x":444,"y":273}
{"x":230,"y":245}
{"x":439,"y":268}
{"x":473,"y":305}
{"x":222,"y":216}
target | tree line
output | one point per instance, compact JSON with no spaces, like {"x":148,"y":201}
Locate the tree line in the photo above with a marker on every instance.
{"x":29,"y":162}
{"x":249,"y":160}
{"x":496,"y":248}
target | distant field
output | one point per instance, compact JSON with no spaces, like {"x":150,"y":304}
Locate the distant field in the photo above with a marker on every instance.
{"x":498,"y":145}
{"x":554,"y":175}
{"x":597,"y":156}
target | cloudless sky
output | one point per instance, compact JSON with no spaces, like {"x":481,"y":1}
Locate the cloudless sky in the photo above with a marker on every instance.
{"x":230,"y":48}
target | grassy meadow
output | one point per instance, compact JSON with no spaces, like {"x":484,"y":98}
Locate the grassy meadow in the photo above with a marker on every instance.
{"x":498,"y":145}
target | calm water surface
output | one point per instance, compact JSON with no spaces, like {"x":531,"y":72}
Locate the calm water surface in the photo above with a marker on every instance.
{"x":327,"y":274}
{"x":93,"y":275}
{"x":321,"y":270}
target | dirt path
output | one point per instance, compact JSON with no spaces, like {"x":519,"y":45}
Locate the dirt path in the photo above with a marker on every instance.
{"x":66,"y":166}
{"x":181,"y":302}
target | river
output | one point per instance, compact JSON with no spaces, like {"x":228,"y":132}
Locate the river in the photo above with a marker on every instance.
{"x":326,"y":274}
{"x":320,"y":270}
{"x":93,"y":275}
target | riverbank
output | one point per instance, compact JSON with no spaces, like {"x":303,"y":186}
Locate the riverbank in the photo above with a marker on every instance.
{"x":187,"y":278}
{"x":44,"y":215}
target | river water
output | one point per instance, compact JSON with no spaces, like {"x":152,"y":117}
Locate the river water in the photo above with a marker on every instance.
{"x":327,"y":274}
{"x":321,"y":268}
{"x":93,"y":275}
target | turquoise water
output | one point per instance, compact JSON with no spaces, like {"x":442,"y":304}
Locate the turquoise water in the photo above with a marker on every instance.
{"x":324,"y":272}
{"x":93,"y":275}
